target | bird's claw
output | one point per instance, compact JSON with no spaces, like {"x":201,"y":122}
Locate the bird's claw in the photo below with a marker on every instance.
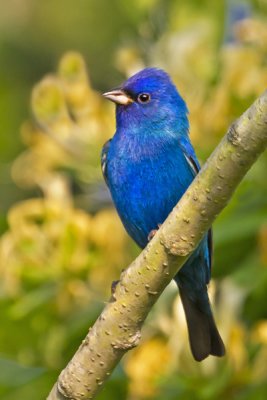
{"x":153,"y":233}
{"x":113,"y":286}
{"x":113,"y":289}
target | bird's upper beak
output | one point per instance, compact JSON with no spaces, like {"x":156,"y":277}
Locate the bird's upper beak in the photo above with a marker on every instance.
{"x":118,"y":96}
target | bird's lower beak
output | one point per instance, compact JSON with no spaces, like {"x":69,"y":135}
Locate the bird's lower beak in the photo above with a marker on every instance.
{"x":118,"y":96}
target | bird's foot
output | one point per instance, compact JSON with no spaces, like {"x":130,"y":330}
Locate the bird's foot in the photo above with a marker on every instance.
{"x":153,"y":233}
{"x":113,"y":287}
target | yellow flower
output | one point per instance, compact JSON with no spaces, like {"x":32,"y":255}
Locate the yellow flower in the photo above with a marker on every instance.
{"x":145,"y":364}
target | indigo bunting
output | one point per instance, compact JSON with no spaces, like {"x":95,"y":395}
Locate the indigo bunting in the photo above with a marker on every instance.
{"x":148,"y":165}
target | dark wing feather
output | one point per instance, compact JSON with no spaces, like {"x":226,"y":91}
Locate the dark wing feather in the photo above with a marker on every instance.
{"x":104,"y":154}
{"x":192,"y":163}
{"x":210,"y":246}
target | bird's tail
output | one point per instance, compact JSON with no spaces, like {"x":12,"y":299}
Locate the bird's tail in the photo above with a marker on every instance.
{"x":203,"y":334}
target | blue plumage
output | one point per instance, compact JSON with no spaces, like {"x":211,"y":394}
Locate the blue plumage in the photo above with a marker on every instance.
{"x":148,"y":165}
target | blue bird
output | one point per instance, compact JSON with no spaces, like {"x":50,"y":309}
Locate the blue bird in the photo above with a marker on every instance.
{"x":148,"y":165}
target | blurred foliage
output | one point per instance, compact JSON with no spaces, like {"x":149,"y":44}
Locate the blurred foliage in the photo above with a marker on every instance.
{"x":62,"y":244}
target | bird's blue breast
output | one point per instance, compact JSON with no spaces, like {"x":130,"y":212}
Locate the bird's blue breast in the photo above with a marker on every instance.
{"x":146,"y":180}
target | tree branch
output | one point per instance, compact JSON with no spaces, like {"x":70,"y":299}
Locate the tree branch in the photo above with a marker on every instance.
{"x":117,"y":329}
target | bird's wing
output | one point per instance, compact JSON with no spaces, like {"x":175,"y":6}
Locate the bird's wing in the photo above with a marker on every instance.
{"x":210,"y":247}
{"x":104,"y":154}
{"x":192,"y":161}
{"x":190,"y":155}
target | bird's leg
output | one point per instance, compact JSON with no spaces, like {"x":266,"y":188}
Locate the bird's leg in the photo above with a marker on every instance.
{"x":153,"y":233}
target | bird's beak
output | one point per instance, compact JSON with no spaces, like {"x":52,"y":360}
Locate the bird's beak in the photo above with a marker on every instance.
{"x":118,"y":96}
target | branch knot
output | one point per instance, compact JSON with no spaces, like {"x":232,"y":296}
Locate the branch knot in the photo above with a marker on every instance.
{"x":232,"y":135}
{"x":177,"y":246}
{"x":128,"y":344}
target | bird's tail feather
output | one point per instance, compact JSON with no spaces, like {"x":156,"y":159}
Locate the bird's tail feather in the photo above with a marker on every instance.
{"x":204,"y":337}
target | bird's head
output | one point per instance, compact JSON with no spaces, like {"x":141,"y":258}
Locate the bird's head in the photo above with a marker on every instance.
{"x":149,"y":99}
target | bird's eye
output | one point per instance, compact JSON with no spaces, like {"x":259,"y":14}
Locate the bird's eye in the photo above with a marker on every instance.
{"x":143,"y":98}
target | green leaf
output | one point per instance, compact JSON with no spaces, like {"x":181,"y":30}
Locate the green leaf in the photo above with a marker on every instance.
{"x":14,"y":374}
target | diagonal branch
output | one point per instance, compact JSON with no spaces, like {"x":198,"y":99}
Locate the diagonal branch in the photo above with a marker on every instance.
{"x":117,"y":329}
